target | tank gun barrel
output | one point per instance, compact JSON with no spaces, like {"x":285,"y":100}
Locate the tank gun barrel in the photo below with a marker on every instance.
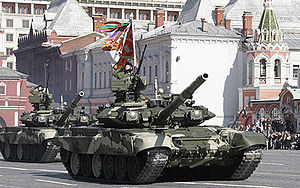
{"x":186,"y":94}
{"x":73,"y":105}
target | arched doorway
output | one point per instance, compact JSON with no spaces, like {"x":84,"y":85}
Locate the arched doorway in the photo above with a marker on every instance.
{"x":289,"y":119}
{"x":2,"y":122}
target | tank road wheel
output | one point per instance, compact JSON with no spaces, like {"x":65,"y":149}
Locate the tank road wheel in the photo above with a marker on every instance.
{"x":1,"y":147}
{"x":133,"y":168}
{"x":121,"y":167}
{"x":7,"y":152}
{"x":97,"y":165}
{"x":41,"y":148}
{"x":13,"y":152}
{"x":26,"y":152}
{"x":65,"y":155}
{"x":32,"y":153}
{"x":20,"y":152}
{"x":75,"y":164}
{"x":109,"y":167}
{"x":147,"y":166}
{"x":86,"y":165}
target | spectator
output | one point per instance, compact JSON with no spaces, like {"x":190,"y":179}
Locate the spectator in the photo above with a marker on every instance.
{"x":279,"y":134}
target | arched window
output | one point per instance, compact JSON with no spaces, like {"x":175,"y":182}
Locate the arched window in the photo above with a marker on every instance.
{"x":82,"y":80}
{"x":274,"y":113}
{"x":265,"y":35}
{"x":260,"y":113}
{"x":263,"y":68}
{"x":277,"y":68}
{"x":167,"y":72}
{"x":250,"y":69}
{"x":274,"y":35}
{"x":2,"y":88}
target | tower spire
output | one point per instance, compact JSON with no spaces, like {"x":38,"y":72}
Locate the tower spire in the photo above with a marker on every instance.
{"x":268,"y":4}
{"x":268,"y":26}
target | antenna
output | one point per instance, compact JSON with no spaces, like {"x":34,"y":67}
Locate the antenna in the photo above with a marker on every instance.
{"x":47,"y":83}
{"x":141,"y":60}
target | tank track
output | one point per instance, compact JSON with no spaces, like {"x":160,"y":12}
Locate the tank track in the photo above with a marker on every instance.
{"x":156,"y":160}
{"x":250,"y":161}
{"x":50,"y":153}
{"x":240,"y":170}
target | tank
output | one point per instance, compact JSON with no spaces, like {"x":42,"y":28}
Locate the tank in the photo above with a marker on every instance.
{"x":31,"y":141}
{"x":139,"y":140}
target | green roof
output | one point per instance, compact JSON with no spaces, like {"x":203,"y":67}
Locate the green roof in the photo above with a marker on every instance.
{"x":269,"y":22}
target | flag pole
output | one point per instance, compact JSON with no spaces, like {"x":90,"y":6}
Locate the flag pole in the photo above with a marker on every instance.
{"x":133,"y":43}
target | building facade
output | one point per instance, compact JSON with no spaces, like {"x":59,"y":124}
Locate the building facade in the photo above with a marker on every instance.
{"x":14,"y":92}
{"x":16,"y":17}
{"x":271,"y":68}
{"x":48,"y":52}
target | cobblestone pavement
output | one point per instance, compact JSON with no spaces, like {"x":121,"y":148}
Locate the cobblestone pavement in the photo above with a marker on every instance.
{"x":278,"y":169}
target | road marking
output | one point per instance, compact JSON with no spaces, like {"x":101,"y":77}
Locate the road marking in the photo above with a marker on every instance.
{"x":285,"y":154}
{"x":272,"y":174}
{"x":55,"y":182}
{"x":7,"y":186}
{"x":39,"y":170}
{"x":223,"y":185}
{"x":276,"y":164}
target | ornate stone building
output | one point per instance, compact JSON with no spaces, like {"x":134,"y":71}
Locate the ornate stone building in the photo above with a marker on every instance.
{"x":268,"y":64}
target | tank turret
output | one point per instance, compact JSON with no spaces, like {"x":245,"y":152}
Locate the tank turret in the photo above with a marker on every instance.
{"x":165,"y":113}
{"x":62,"y":120}
{"x":32,"y":141}
{"x":45,"y":115}
{"x":132,"y":110}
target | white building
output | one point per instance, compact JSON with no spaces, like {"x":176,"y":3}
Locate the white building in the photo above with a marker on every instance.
{"x":178,"y":52}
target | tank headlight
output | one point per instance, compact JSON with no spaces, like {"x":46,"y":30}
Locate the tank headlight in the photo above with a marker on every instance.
{"x":196,"y":115}
{"x":42,"y":119}
{"x":132,"y":116}
{"x":84,"y":119}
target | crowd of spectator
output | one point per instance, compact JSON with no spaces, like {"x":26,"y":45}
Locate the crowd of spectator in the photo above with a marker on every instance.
{"x":280,"y":134}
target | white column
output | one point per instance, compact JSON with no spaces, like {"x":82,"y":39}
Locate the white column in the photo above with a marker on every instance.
{"x":108,"y":13}
{"x":16,"y":119}
{"x":166,"y":15}
{"x":151,"y":15}
{"x":137,"y":14}
{"x":256,"y":75}
{"x":32,"y":8}
{"x":17,"y":8}
{"x":93,"y":11}
{"x":270,"y":74}
{"x":18,"y":88}
{"x":123,"y":13}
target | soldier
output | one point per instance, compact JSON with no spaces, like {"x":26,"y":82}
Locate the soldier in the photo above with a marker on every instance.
{"x":40,"y":99}
{"x":123,"y":71}
{"x":36,"y":92}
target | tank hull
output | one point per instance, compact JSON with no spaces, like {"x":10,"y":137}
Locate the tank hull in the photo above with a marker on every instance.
{"x":30,"y":144}
{"x":159,"y":152}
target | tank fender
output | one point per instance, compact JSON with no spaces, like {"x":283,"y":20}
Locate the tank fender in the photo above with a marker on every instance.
{"x":244,"y":140}
{"x":27,"y":136}
{"x":144,"y":141}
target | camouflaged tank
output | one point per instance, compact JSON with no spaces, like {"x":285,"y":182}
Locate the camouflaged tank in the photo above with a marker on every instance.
{"x":141,"y":139}
{"x":30,"y":142}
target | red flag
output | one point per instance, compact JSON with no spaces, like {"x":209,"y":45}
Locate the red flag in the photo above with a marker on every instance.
{"x":126,"y":49}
